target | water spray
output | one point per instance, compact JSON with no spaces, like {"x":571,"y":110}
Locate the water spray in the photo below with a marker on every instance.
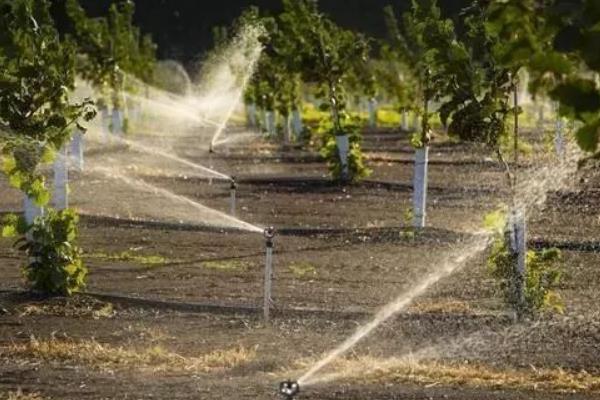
{"x":232,"y":191}
{"x":269,"y":234}
{"x":289,"y":389}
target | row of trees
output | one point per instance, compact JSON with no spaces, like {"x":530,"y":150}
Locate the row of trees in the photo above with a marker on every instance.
{"x":302,"y":46}
{"x":469,"y":65}
{"x":38,"y":118}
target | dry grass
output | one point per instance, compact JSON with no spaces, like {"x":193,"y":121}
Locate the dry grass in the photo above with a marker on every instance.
{"x":155,"y":358}
{"x":19,"y":395}
{"x":410,"y":369}
{"x":451,"y":306}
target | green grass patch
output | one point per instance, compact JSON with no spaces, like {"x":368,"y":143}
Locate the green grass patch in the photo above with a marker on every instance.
{"x":132,"y":257}
{"x":303,"y":270}
{"x":226,"y":265}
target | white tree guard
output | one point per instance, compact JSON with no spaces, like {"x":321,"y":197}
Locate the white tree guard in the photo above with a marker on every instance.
{"x":77,"y":148}
{"x":251,"y":115}
{"x":117,"y":122}
{"x":372,"y":113}
{"x":105,"y":124}
{"x":270,"y":123}
{"x":30,"y":210}
{"x":559,"y":138}
{"x":287,"y":129}
{"x":420,"y":187}
{"x":297,"y":123}
{"x":60,"y":197}
{"x":518,"y":243}
{"x":343,"y":146}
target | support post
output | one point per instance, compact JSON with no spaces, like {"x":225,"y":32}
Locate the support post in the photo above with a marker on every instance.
{"x":267,"y":299}
{"x":232,"y":196}
{"x":61,"y":180}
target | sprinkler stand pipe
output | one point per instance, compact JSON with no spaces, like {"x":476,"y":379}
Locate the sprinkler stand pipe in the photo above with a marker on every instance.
{"x":232,"y":195}
{"x":269,"y":236}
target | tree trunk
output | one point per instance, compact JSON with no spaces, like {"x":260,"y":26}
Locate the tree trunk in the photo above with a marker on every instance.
{"x":404,"y":121}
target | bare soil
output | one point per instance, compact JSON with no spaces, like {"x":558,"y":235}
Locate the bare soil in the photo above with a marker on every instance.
{"x":158,"y":281}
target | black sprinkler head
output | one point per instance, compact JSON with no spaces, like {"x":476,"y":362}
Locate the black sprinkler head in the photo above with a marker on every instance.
{"x":269,"y":233}
{"x":233,"y":183}
{"x":289,"y":389}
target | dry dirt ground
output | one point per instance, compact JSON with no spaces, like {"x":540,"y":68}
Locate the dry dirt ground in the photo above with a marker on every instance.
{"x":172,"y":309}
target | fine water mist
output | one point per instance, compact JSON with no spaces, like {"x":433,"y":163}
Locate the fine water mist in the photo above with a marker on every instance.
{"x":530,"y":192}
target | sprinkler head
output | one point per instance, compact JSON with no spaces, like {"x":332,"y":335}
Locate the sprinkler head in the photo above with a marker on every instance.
{"x":289,"y":389}
{"x":233,"y":183}
{"x":269,"y":235}
{"x":269,"y":232}
{"x":210,"y":149}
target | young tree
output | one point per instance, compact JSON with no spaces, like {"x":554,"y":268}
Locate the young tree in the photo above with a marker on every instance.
{"x":480,"y":82}
{"x":36,"y":119}
{"x":327,"y":54}
{"x":109,"y":49}
{"x":421,"y":27}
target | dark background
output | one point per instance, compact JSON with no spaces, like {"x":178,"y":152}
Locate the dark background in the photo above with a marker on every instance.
{"x":183,"y":28}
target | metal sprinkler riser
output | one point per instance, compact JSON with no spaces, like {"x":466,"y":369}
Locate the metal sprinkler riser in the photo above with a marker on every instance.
{"x":269,"y":234}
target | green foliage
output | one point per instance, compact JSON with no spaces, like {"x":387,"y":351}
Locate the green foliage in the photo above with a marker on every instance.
{"x":356,"y":165}
{"x":110,"y":47}
{"x":55,"y":266}
{"x":36,"y":73}
{"x":543,"y":270}
{"x":558,"y":42}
